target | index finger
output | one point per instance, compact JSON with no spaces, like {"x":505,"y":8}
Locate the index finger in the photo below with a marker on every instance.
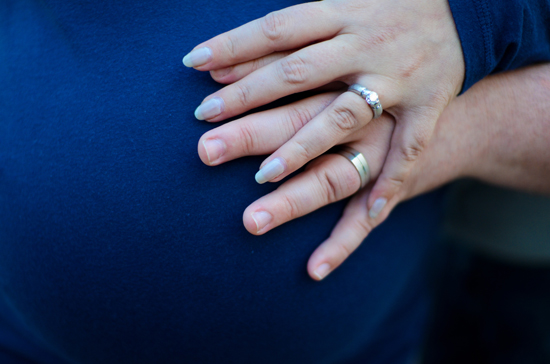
{"x":281,"y":30}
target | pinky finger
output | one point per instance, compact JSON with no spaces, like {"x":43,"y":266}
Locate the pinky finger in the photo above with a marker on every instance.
{"x":354,"y":226}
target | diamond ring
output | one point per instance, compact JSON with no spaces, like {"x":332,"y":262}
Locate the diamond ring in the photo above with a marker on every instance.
{"x":370,"y":97}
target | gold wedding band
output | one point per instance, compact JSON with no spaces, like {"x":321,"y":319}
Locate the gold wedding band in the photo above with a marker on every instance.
{"x":359,"y":162}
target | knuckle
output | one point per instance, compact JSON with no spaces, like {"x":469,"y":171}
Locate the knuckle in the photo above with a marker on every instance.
{"x":248,"y":139}
{"x":243,"y":94}
{"x":293,"y":69}
{"x":410,"y":152}
{"x":330,"y":186}
{"x":396,"y":181}
{"x":343,"y":118}
{"x":344,"y":250}
{"x":230,"y":47}
{"x":383,"y":36}
{"x":362,"y":226}
{"x":273,"y":25}
{"x":298,"y":117}
{"x":290,"y":207}
{"x":335,"y":183}
{"x":301,"y":152}
{"x":257,"y":64}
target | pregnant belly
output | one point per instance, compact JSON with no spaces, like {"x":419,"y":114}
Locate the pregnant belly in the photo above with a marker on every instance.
{"x":117,"y":245}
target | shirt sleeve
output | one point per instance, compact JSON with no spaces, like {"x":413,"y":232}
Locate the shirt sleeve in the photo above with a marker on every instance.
{"x":501,"y":35}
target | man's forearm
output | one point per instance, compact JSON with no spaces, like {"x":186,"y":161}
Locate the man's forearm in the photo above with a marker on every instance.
{"x":498,"y":132}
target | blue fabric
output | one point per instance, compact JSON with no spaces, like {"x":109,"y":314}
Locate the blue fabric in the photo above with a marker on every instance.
{"x":18,"y":344}
{"x":489,"y":311}
{"x":499,"y":35}
{"x":117,"y":245}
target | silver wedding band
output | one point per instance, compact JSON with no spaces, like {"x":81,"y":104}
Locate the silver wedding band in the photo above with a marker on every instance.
{"x":359,"y":162}
{"x":370,"y":97}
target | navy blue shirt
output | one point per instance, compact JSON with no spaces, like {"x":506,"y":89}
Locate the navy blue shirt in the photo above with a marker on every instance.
{"x":117,"y":245}
{"x":501,"y":35}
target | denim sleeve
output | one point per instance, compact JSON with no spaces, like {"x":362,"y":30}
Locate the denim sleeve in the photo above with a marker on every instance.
{"x":501,"y":35}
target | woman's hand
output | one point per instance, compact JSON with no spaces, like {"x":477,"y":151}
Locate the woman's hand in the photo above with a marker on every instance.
{"x":407,"y":51}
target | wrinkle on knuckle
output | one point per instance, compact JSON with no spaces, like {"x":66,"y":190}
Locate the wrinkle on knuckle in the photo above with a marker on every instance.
{"x":362,"y":226}
{"x":273,"y":25}
{"x":382,"y":36}
{"x":301,"y":152}
{"x":344,"y":250}
{"x":243,"y":94}
{"x":294,"y":70}
{"x":291,"y":208}
{"x":343,"y":118}
{"x":257,"y":64}
{"x":411,"y":66}
{"x":410,"y":152}
{"x":330,"y":186}
{"x":397,"y":182}
{"x":230,"y":47}
{"x":338,"y":184}
{"x":248,"y":139}
{"x":298,"y":117}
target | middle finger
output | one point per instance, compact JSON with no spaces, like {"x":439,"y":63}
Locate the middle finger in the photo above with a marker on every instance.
{"x":306,"y":69}
{"x":347,"y":115}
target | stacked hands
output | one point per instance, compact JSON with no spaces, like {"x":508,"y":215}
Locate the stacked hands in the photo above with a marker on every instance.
{"x":408,"y":52}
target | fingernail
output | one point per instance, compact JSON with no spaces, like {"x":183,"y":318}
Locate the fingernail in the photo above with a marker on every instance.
{"x":210,"y":109}
{"x":214,"y":148}
{"x":270,"y":171}
{"x":261,"y":218}
{"x":198,"y":57}
{"x":322,"y":271}
{"x":377,"y":207}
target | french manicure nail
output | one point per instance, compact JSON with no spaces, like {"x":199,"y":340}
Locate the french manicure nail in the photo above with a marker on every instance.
{"x":214,"y":148}
{"x":377,"y":207}
{"x":322,"y":271}
{"x":210,"y":109}
{"x":270,"y":171}
{"x":261,"y":218}
{"x":198,"y":57}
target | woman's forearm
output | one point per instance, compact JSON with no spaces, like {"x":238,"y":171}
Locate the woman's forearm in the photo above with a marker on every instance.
{"x":498,"y":132}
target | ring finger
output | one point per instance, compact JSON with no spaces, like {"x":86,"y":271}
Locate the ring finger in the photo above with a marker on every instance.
{"x":344,"y":117}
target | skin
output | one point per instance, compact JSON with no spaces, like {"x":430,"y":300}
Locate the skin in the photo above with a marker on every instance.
{"x":408,"y":51}
{"x":497,"y":132}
